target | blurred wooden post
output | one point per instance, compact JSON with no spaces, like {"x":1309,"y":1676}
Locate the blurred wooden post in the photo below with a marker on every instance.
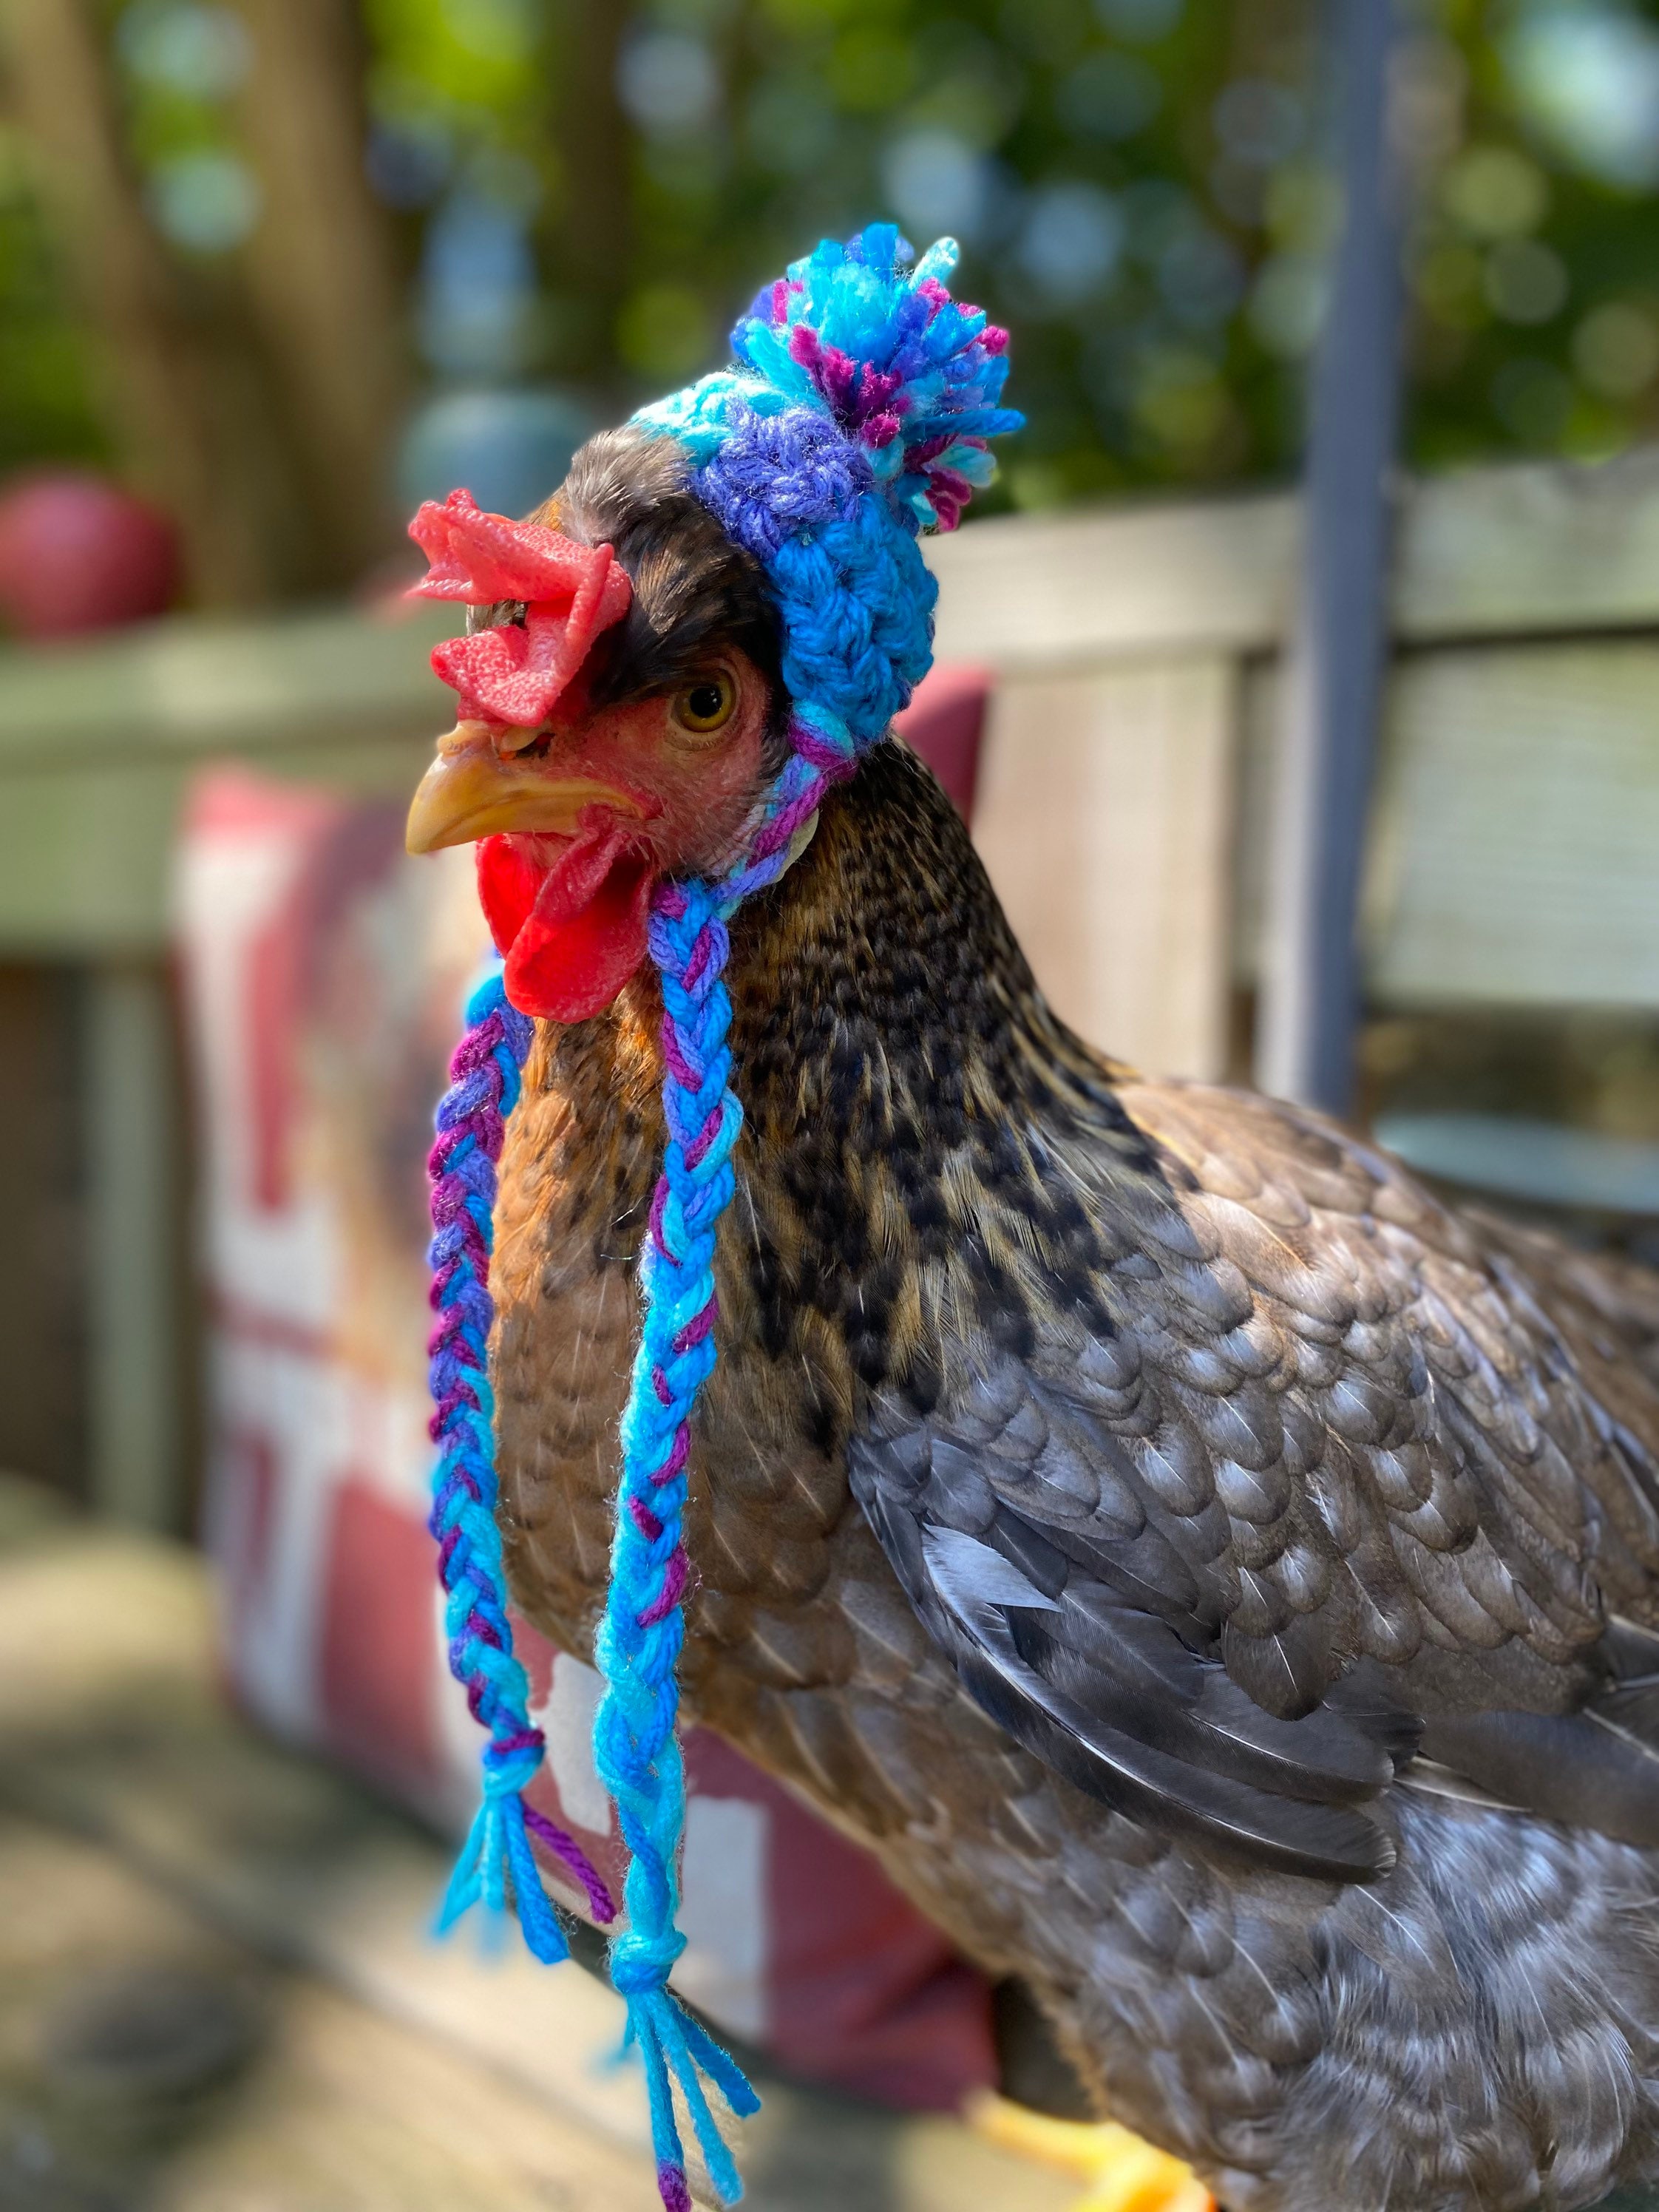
{"x":1310,"y":979}
{"x":592,"y":235}
{"x":42,"y":1297}
{"x":1104,"y":816}
{"x":320,"y":271}
{"x":130,"y":1135}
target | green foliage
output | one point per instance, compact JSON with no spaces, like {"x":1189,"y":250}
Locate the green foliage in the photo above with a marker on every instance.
{"x":1067,"y":147}
{"x":1140,"y":186}
{"x":468,"y":69}
{"x":1143,"y":192}
{"x":45,"y":411}
{"x":1532,"y":257}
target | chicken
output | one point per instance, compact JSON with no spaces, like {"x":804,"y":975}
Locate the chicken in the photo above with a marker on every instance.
{"x":1218,"y":1580}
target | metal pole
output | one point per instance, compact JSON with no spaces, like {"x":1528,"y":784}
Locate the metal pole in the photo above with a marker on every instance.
{"x":1335,"y":672}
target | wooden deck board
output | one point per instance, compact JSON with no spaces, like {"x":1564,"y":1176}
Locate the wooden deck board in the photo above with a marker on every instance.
{"x":145,"y":1832}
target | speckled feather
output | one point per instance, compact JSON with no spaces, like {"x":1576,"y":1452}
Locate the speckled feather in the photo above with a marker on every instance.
{"x":1225,"y":1467}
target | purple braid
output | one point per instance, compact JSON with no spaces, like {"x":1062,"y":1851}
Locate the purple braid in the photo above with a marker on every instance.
{"x":471,"y":1124}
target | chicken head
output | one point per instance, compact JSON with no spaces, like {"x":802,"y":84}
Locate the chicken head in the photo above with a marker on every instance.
{"x":579,"y":801}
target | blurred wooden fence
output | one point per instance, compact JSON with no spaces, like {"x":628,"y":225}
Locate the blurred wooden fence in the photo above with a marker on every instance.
{"x":1514,"y":846}
{"x":1123,"y":796}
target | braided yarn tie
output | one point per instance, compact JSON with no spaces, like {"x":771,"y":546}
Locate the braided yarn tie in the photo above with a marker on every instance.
{"x":496,"y":1855}
{"x":638,"y":1644}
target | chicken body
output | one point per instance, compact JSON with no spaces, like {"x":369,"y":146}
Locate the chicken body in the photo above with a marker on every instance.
{"x":1239,"y":1479}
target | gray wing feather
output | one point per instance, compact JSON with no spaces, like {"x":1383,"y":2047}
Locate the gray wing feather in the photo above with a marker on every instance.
{"x":1274,"y":1463}
{"x":1110,"y":1696}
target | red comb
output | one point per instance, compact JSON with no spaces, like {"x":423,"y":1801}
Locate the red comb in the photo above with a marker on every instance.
{"x":570,"y":591}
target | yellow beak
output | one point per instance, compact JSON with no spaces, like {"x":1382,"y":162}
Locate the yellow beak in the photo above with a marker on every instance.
{"x":475,"y":788}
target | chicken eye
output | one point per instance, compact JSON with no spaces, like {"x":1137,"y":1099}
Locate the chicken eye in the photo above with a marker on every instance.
{"x":707,"y":705}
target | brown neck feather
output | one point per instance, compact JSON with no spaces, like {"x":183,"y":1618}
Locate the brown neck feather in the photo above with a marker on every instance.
{"x":892,"y":1055}
{"x":881,"y":974}
{"x":878,"y":983}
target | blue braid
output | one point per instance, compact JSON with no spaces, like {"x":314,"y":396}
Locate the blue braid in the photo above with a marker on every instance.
{"x":638,"y":1644}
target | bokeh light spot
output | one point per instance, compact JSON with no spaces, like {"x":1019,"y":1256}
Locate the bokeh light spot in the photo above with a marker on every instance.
{"x":1526,"y":281}
{"x":1070,"y":241}
{"x":668,"y":82}
{"x":206,"y":202}
{"x":1287,"y":303}
{"x":1141,"y":22}
{"x":1615,"y":349}
{"x":182,"y":46}
{"x":937,"y":184}
{"x":1492,"y":191}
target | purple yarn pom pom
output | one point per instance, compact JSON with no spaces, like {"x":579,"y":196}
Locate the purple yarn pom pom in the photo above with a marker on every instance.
{"x":778,"y":474}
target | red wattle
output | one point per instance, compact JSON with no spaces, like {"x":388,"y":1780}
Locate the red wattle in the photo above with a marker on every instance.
{"x":509,"y":877}
{"x":572,"y":933}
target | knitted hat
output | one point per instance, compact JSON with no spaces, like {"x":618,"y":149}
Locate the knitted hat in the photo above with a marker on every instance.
{"x":857,"y":416}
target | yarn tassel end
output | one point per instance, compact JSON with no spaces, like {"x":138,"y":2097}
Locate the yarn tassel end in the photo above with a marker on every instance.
{"x":679,"y":2053}
{"x":495,"y":1850}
